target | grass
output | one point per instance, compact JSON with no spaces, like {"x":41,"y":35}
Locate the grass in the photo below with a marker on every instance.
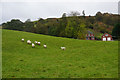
{"x":81,"y":59}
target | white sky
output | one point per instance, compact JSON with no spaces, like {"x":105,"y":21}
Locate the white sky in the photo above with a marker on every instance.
{"x":34,"y":9}
{"x":59,"y":0}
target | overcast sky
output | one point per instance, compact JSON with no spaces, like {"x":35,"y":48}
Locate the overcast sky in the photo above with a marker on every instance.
{"x":34,"y":9}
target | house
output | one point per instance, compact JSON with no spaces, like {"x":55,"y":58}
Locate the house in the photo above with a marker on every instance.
{"x":106,"y":37}
{"x":90,"y":36}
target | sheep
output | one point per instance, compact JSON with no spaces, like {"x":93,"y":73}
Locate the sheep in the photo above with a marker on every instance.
{"x":63,"y":48}
{"x":22,"y":40}
{"x":38,"y":43}
{"x":45,"y":46}
{"x":33,"y":45}
{"x":28,"y":41}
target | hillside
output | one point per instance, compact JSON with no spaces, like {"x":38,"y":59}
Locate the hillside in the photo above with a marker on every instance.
{"x":72,"y":26}
{"x":81,"y":59}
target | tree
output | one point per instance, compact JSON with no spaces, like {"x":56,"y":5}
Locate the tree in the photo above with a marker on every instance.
{"x":28,"y":20}
{"x":28,"y":26}
{"x":81,"y":31}
{"x":69,"y":30}
{"x":40,"y":28}
{"x":62,"y":25}
{"x":99,"y":16}
{"x":83,"y":12}
{"x":4,"y":25}
{"x":64,"y":15}
{"x":14,"y":24}
{"x":116,"y":31}
{"x":53,"y":31}
{"x":91,"y":19}
{"x":74,"y":13}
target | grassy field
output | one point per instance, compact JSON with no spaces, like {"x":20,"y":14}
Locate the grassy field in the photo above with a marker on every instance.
{"x":81,"y":59}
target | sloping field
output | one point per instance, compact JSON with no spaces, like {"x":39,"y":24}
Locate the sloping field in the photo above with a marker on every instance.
{"x":81,"y":59}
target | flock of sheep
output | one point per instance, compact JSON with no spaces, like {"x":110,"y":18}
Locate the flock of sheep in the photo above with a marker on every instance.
{"x":38,"y":43}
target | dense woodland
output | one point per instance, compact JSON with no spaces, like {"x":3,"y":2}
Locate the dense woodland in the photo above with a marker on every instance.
{"x":72,"y":25}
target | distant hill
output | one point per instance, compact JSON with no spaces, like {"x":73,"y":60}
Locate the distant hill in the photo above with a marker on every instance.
{"x":72,"y":26}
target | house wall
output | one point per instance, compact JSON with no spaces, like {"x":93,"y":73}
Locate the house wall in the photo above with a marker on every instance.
{"x":90,"y":37}
{"x":106,"y":38}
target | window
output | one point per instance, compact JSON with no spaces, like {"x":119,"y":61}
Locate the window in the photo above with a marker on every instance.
{"x":106,"y":35}
{"x":109,"y":39}
{"x":104,"y":39}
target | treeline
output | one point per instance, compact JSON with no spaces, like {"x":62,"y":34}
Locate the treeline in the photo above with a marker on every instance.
{"x":72,"y":25}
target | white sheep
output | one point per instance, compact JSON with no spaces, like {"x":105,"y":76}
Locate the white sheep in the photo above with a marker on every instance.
{"x":28,"y":41}
{"x":45,"y":46}
{"x":63,"y":48}
{"x":33,"y":45}
{"x":22,"y":40}
{"x":38,"y":43}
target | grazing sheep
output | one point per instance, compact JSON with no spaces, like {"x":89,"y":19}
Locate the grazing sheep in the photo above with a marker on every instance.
{"x":28,"y":41}
{"x":22,"y":40}
{"x":63,"y":48}
{"x":38,"y":43}
{"x":33,"y":45}
{"x":45,"y":46}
